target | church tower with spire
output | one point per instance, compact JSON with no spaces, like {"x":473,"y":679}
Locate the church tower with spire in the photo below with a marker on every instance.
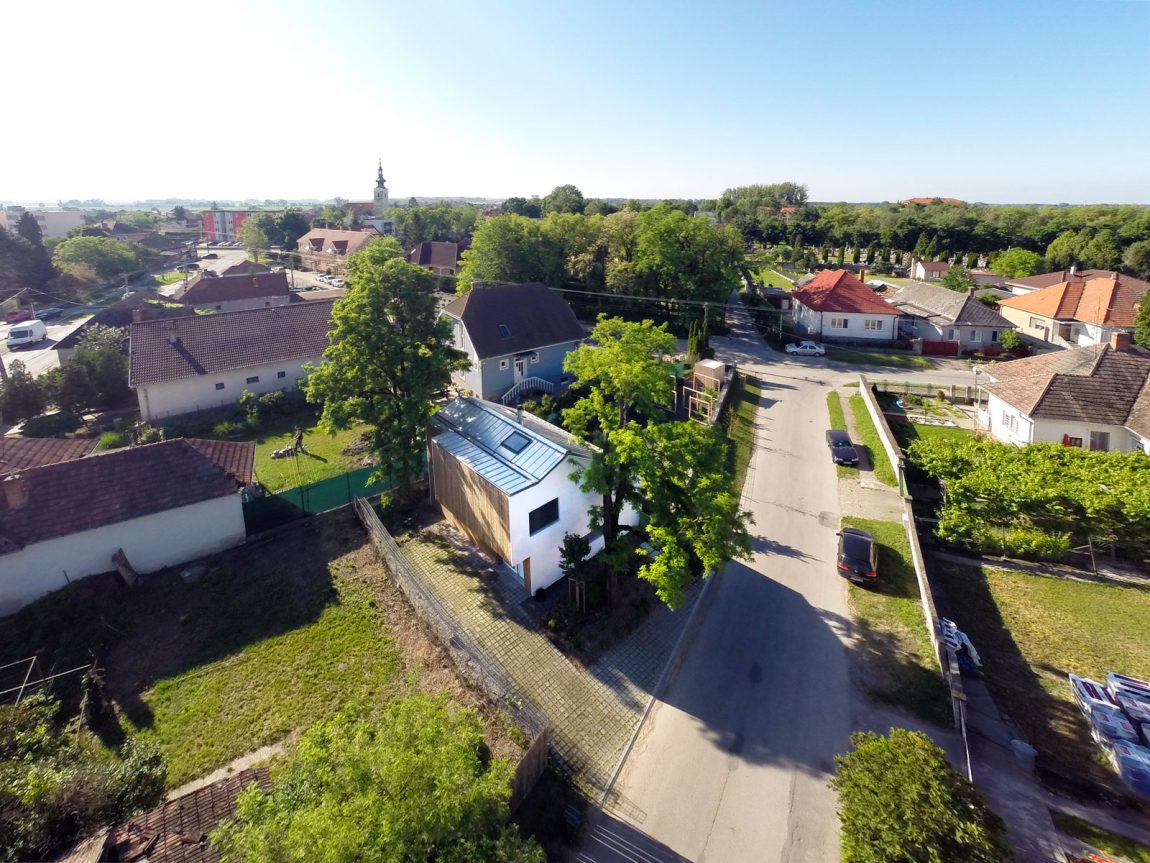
{"x":380,"y":203}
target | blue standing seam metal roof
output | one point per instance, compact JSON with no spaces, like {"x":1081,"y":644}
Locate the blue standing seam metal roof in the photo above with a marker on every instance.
{"x":475,"y":436}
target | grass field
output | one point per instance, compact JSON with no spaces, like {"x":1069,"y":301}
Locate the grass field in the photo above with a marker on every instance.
{"x":274,"y":637}
{"x":741,"y":425}
{"x":1103,"y":840}
{"x":907,"y":433}
{"x":870,"y":358}
{"x":170,"y":278}
{"x":883,"y":469}
{"x":896,"y":660}
{"x":1031,"y":630}
{"x":323,"y":458}
{"x":838,"y":421}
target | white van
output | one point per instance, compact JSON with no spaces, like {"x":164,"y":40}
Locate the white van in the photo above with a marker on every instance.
{"x":26,"y":333}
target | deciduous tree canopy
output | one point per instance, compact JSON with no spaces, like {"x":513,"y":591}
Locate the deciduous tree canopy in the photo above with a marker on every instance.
{"x":390,"y":354}
{"x":413,"y":785}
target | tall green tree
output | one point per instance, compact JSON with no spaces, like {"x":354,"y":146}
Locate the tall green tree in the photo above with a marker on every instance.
{"x":563,"y":199}
{"x":1016,"y":263}
{"x":675,"y":471}
{"x":292,"y":224}
{"x":1066,"y":250}
{"x":179,"y":213}
{"x":390,"y":354}
{"x":532,"y":209}
{"x":101,"y":354}
{"x":21,"y":395}
{"x":900,"y":801}
{"x":1142,"y":324}
{"x":511,"y":249}
{"x":101,"y":257}
{"x":695,"y":521}
{"x":1136,"y":260}
{"x":254,"y":237}
{"x":414,"y":785}
{"x":958,"y":278}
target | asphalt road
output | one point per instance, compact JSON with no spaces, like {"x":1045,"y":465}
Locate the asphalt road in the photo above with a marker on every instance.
{"x":40,"y":357}
{"x":733,"y":761}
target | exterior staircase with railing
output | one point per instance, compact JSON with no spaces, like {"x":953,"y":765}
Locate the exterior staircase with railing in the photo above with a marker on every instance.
{"x":527,"y":385}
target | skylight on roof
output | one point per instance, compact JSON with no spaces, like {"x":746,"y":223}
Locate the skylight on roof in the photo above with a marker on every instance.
{"x":516,"y":442}
{"x":504,"y":331}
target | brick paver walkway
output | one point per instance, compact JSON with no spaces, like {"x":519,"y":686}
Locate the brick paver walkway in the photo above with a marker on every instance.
{"x":592,"y":712}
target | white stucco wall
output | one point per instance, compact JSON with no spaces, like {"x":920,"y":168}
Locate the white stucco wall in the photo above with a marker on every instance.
{"x":543,"y":547}
{"x":1045,"y":430}
{"x":819,"y":324}
{"x":150,"y":543}
{"x":199,"y":393}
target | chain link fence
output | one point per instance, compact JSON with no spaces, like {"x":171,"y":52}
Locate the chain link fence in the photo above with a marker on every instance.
{"x":473,"y":663}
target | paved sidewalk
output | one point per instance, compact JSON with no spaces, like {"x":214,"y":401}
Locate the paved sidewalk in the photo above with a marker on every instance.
{"x":593,"y":711}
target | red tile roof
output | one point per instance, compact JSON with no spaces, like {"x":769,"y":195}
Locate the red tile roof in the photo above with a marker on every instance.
{"x":932,"y":200}
{"x":1045,"y":280}
{"x":1111,"y":299}
{"x":935,"y":266}
{"x":56,"y":500}
{"x":839,"y":291}
{"x":19,"y":453}
{"x":237,"y":458}
{"x":220,"y":289}
{"x":204,"y":344}
{"x":247,"y":268}
{"x":177,"y":831}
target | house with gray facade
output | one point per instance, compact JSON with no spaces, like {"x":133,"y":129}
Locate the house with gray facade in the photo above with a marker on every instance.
{"x":948,"y":322}
{"x":517,"y":337}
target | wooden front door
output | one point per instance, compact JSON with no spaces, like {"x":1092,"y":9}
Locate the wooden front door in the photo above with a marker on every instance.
{"x":527,"y":573}
{"x":520,"y":368}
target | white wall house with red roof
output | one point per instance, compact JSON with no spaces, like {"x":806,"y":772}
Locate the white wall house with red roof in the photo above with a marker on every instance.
{"x":836,"y":306}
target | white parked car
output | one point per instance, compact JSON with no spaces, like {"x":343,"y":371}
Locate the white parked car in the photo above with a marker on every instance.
{"x":806,"y":349}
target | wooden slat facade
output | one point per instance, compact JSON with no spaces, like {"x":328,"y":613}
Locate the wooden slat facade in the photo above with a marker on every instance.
{"x":473,"y":503}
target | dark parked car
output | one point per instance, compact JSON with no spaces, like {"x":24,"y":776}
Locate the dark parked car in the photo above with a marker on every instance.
{"x":842,"y":451}
{"x":858,"y":555}
{"x":49,"y":313}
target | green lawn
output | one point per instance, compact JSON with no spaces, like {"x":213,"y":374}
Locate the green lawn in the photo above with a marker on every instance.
{"x":870,"y":358}
{"x":741,"y":425}
{"x":1103,"y":840}
{"x":170,"y":278}
{"x":324,"y":457}
{"x":213,"y":712}
{"x":907,"y":433}
{"x":1031,"y":630}
{"x":894,"y":653}
{"x":839,"y":421}
{"x":883,"y":469}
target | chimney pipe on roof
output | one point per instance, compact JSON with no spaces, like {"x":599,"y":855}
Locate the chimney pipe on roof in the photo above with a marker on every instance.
{"x":137,"y":316}
{"x":519,"y":414}
{"x":173,"y":336}
{"x":15,"y":491}
{"x":1119,"y":341}
{"x":1074,"y":269}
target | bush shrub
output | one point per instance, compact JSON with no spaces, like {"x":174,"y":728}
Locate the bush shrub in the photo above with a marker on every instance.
{"x":900,"y":800}
{"x":114,"y":440}
{"x":271,"y":405}
{"x":52,"y":425}
{"x":1010,"y":340}
{"x":1036,"y":543}
{"x":229,"y":428}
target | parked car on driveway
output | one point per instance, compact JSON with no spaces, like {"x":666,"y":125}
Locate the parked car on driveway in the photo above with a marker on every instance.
{"x":858,"y":556}
{"x":49,"y":313}
{"x":842,"y":450}
{"x":806,"y":349}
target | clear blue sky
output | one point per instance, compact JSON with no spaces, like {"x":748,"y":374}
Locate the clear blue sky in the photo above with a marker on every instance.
{"x":985,"y":100}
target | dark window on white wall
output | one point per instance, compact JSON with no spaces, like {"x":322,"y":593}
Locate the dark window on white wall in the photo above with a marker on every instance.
{"x":219,"y":386}
{"x":254,"y":380}
{"x":281,"y":374}
{"x":543,"y":517}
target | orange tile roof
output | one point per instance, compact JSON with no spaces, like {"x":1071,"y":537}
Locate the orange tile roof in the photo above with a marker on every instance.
{"x":1111,"y":300}
{"x":839,"y":291}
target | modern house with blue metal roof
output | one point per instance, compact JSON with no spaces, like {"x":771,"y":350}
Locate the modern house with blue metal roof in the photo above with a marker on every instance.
{"x":504,"y":478}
